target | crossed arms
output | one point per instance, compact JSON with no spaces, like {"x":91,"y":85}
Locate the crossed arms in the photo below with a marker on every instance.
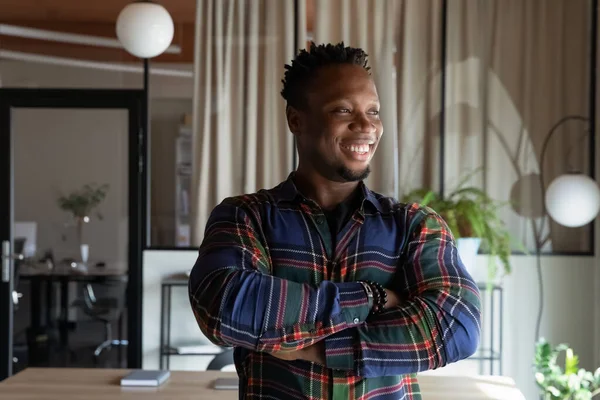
{"x":237,"y":302}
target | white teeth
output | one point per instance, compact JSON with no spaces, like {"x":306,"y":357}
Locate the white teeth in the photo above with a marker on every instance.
{"x":363,"y":148}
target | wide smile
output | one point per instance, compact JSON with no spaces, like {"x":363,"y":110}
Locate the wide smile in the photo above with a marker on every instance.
{"x":357,"y":151}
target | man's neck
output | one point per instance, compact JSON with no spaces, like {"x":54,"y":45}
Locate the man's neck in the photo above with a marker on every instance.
{"x":328,"y":194}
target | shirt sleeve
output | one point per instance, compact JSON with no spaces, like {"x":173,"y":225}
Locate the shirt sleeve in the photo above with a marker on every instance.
{"x":438,"y":322}
{"x":237,"y":302}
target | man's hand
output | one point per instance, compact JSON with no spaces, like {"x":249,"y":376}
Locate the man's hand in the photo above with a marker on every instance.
{"x":392,"y":299}
{"x":314,"y":353}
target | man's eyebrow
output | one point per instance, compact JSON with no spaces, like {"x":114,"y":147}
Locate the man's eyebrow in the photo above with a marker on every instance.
{"x":373,"y":101}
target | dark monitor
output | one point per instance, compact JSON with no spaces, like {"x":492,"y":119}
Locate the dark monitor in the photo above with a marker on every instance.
{"x":19,"y":245}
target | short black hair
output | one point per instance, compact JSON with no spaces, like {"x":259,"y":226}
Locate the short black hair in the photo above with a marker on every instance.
{"x":303,"y":67}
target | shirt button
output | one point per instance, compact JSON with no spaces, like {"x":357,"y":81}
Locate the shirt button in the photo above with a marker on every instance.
{"x":356,"y":320}
{"x":320,"y":220}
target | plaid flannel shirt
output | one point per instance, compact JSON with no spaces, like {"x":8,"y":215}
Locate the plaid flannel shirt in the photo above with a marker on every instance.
{"x":267,"y":279}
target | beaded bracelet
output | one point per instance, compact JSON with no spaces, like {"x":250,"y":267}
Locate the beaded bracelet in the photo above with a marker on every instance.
{"x":379,"y":296}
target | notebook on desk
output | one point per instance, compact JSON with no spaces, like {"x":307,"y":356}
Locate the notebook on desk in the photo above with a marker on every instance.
{"x":227,"y":384}
{"x":145,"y":378}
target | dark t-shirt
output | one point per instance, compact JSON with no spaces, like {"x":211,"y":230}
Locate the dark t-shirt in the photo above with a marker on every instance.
{"x":339,"y":216}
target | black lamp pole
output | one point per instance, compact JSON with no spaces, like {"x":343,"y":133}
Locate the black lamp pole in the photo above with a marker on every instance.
{"x":145,"y":158}
{"x":539,"y":240}
{"x":296,"y":49}
{"x":443,"y":58}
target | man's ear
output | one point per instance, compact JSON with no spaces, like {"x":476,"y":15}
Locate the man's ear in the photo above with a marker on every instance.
{"x":294,"y":119}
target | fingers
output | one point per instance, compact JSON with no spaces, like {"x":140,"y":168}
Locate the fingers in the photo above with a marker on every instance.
{"x":286,"y":355}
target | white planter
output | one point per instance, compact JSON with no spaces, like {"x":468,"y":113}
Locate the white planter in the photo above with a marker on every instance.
{"x":467,"y":251}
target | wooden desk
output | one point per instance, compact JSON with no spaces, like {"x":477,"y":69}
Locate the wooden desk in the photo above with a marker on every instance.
{"x":40,"y":274}
{"x":101,"y":384}
{"x":79,"y":272}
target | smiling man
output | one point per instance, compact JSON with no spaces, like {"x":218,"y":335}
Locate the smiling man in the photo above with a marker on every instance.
{"x":326,"y":289}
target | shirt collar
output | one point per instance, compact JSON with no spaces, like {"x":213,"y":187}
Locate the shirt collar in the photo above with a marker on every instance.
{"x":288,"y":192}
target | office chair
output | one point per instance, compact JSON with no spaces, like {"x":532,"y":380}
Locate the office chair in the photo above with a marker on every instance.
{"x":20,"y":348}
{"x":107,"y":310}
{"x":19,"y":244}
{"x":221,"y":360}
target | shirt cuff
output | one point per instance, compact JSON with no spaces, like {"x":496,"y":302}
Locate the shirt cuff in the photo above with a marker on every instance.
{"x":340,"y":351}
{"x":353,"y":302}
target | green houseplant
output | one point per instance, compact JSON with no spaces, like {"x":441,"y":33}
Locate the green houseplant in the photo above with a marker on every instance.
{"x":81,"y":203}
{"x":471,"y":213}
{"x":572,"y":383}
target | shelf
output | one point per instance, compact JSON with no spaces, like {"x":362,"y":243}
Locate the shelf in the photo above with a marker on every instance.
{"x":176,"y":281}
{"x":483,"y":286}
{"x":485,"y":354}
{"x":184,"y":169}
{"x":185,"y":131}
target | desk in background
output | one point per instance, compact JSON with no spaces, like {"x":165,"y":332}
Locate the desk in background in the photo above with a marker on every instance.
{"x":101,"y":384}
{"x":42,"y":279}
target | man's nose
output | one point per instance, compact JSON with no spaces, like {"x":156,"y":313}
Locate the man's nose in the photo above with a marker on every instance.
{"x":363,"y":124}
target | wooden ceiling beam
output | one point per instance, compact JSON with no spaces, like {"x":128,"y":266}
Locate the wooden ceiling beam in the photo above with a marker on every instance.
{"x":183,"y":37}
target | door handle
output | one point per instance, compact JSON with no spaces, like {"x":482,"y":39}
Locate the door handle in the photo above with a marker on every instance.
{"x":5,"y":261}
{"x":6,"y":258}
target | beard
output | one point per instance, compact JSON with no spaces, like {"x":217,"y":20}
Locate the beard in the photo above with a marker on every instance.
{"x":349,"y":175}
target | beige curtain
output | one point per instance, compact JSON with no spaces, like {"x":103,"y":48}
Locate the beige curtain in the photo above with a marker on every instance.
{"x":514,"y":69}
{"x":402,"y":40}
{"x":240,"y":137}
{"x":418,"y":90}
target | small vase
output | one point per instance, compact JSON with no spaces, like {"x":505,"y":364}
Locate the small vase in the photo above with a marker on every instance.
{"x":85,"y":252}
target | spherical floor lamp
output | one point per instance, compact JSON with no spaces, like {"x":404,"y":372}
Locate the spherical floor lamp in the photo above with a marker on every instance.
{"x":571,"y":200}
{"x":145,"y":29}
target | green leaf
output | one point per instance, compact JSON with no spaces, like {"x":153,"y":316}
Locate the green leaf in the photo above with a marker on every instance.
{"x":571,"y":362}
{"x":470,"y":212}
{"x":82,"y":202}
{"x":429,"y":197}
{"x":572,"y":383}
{"x":553,"y":391}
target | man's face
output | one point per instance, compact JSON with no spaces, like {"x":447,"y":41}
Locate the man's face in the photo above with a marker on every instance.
{"x":340,"y":129}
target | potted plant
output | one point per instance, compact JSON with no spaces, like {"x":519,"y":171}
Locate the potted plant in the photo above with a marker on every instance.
{"x":572,"y":383}
{"x":81,"y":203}
{"x":472,"y":216}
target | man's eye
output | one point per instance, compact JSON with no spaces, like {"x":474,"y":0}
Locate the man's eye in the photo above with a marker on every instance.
{"x":342,"y":110}
{"x":374,"y":112}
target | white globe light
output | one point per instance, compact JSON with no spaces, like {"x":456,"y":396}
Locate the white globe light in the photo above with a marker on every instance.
{"x":573,"y":200}
{"x":145,"y":29}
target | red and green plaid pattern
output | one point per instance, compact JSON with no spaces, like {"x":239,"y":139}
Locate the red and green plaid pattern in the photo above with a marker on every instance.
{"x":268,"y":279}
